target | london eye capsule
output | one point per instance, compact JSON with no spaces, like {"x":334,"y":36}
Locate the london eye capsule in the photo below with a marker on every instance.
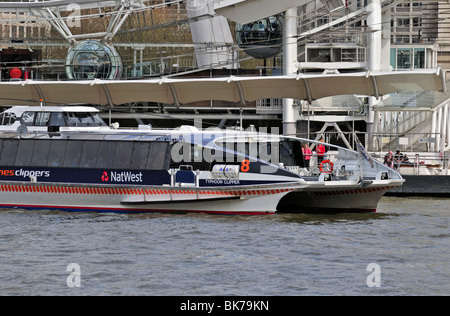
{"x":262,"y":38}
{"x":93,"y":60}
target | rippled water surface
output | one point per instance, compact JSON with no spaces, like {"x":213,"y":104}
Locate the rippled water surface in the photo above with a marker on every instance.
{"x":194,"y":254}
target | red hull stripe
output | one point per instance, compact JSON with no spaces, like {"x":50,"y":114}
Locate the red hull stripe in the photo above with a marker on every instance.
{"x":127,"y":191}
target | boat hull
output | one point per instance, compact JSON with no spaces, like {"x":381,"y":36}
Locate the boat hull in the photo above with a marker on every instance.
{"x":337,"y":200}
{"x":256,"y":200}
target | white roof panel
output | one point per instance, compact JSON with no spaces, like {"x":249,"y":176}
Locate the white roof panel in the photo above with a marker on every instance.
{"x":232,"y":89}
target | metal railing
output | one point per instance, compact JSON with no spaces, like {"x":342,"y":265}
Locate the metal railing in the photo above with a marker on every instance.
{"x":422,"y":157}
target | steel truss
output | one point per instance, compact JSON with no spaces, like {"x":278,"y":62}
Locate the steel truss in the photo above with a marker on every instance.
{"x":63,"y":14}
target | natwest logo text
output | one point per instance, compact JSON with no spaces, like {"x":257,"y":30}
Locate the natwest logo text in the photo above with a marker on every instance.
{"x":123,"y":176}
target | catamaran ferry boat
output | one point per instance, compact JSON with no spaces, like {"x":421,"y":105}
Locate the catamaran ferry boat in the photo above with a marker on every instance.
{"x":67,"y":158}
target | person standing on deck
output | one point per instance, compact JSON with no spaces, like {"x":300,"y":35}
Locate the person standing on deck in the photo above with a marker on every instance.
{"x":389,"y":160}
{"x":307,"y":153}
{"x":320,"y":151}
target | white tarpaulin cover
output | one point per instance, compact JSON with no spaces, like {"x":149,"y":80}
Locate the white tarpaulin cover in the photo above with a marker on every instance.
{"x":233,"y":89}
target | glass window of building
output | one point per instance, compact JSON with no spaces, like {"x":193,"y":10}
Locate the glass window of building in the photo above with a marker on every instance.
{"x":419,"y":58}
{"x":404,"y":58}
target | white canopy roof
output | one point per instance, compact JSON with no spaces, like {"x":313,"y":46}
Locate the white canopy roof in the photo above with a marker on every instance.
{"x":233,"y":89}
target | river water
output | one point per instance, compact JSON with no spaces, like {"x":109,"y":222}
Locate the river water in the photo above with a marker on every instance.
{"x":403,"y":249}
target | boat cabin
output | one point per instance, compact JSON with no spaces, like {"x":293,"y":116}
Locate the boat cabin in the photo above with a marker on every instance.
{"x":50,"y":118}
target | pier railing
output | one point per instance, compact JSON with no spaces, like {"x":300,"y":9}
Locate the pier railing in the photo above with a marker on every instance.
{"x":422,"y":156}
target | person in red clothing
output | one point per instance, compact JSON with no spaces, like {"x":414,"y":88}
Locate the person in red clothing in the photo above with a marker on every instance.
{"x":307,"y":153}
{"x":320,"y":151}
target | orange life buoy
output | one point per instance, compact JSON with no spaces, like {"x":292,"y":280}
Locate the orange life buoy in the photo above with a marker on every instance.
{"x":328,"y":162}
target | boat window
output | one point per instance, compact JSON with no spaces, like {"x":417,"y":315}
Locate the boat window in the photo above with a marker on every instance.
{"x":89,"y":155}
{"x":8,"y":152}
{"x":57,"y":119}
{"x":40,"y":153}
{"x":8,"y":118}
{"x":123,"y":155}
{"x":72,"y":119}
{"x":85,"y":154}
{"x":291,"y":153}
{"x":28,"y":118}
{"x":139,"y":155}
{"x":286,"y":154}
{"x":42,"y":118}
{"x":96,"y":117}
{"x":57,"y":152}
{"x":73,"y":154}
{"x":83,"y":119}
{"x":24,"y":152}
{"x":106,"y":154}
{"x":159,"y":156}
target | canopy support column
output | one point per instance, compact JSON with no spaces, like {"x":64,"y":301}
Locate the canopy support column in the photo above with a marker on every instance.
{"x":374,"y":39}
{"x":289,"y":67}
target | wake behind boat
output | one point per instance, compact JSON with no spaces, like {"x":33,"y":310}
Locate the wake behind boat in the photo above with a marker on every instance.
{"x":67,"y":158}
